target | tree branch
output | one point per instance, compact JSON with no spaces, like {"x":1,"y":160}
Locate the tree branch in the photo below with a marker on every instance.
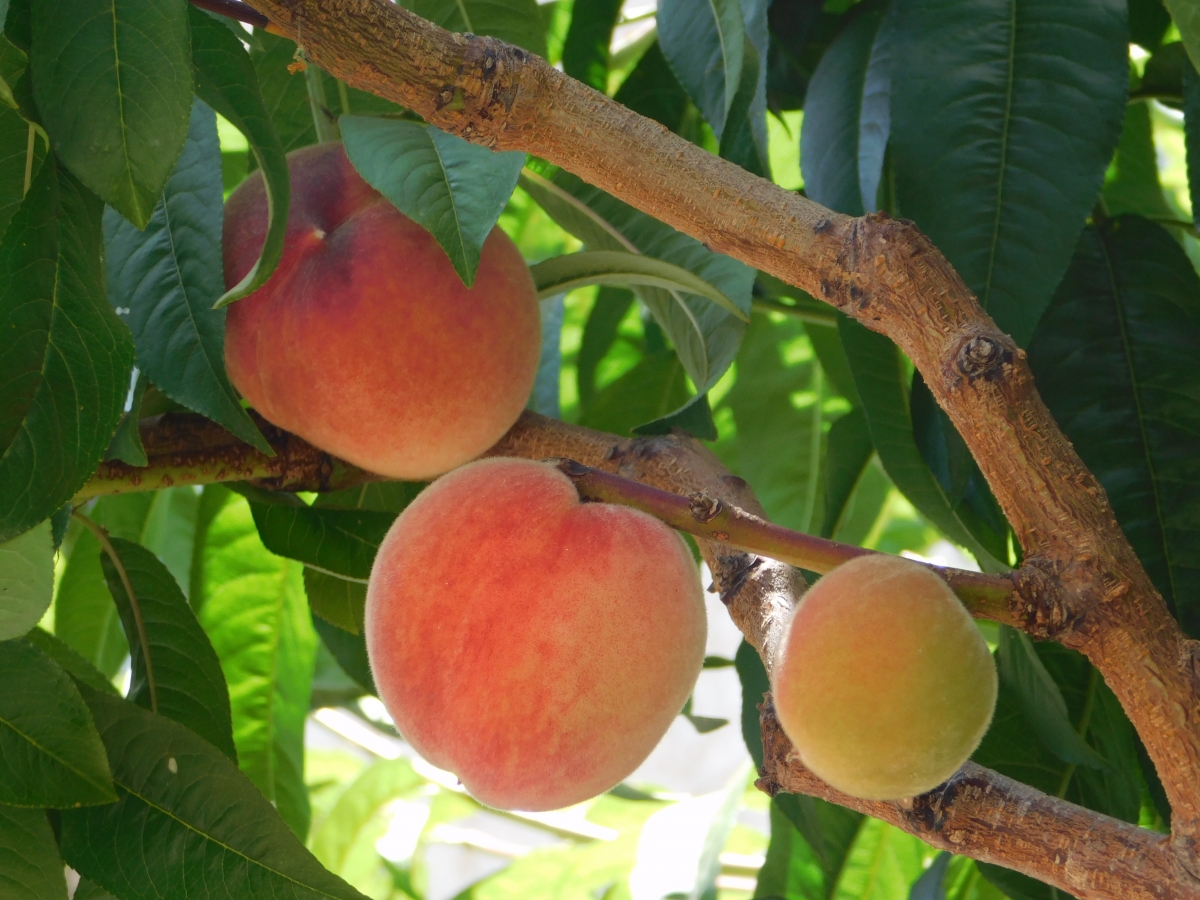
{"x":883,"y":272}
{"x":977,"y":813}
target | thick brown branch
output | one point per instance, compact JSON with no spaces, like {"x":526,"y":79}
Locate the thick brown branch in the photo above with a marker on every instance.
{"x":883,"y":272}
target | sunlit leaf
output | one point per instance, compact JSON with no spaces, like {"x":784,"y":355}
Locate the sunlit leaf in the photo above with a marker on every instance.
{"x":26,"y":580}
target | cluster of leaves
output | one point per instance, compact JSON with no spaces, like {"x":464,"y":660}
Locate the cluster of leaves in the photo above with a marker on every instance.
{"x":1016,"y":133}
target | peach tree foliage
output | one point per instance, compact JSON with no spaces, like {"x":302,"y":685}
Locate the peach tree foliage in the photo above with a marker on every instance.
{"x":1015,"y":133}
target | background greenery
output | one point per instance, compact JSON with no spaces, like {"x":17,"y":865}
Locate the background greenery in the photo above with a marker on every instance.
{"x":1043,"y":144}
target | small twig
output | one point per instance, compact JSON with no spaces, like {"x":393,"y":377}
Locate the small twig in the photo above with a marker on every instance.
{"x":101,"y":535}
{"x":986,"y":596}
{"x":234,"y":9}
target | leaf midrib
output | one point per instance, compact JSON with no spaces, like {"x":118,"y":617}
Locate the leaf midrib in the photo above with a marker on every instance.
{"x":1004,"y":140}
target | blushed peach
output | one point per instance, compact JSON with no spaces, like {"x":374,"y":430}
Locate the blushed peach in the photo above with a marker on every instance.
{"x":535,"y":646}
{"x":364,"y":341}
{"x":884,"y":684}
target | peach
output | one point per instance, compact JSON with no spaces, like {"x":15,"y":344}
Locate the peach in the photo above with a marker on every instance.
{"x":535,"y":646}
{"x":884,"y":684}
{"x":364,"y":341}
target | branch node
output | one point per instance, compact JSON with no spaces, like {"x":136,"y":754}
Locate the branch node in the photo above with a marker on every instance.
{"x":984,"y":357}
{"x":704,"y":508}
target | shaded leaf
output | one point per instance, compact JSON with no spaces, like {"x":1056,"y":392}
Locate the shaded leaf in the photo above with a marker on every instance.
{"x":990,"y":157}
{"x":30,"y":867}
{"x":777,"y":405}
{"x":1187,"y":20}
{"x":66,"y":359}
{"x":196,"y":825}
{"x":337,"y":600}
{"x":70,"y":661}
{"x":1041,"y":700}
{"x":15,"y":146}
{"x":1191,"y":132}
{"x":114,"y":90}
{"x":585,"y":51}
{"x":454,"y":189}
{"x":50,"y":754}
{"x":515,"y":21}
{"x":560,"y":274}
{"x":26,"y":580}
{"x":164,"y":281}
{"x":829,"y":830}
{"x":1116,"y":363}
{"x":338,"y":541}
{"x":226,"y":81}
{"x":599,"y":335}
{"x":881,"y":385}
{"x":705,"y":336}
{"x":176,"y":672}
{"x":849,"y":451}
{"x":834,"y":108}
{"x":790,"y":870}
{"x":545,"y":400}
{"x":650,"y":390}
{"x":753,"y":677}
{"x":126,"y":444}
{"x":704,"y":42}
{"x":350,"y":651}
{"x":932,"y":883}
{"x":260,"y":626}
{"x":652,"y":90}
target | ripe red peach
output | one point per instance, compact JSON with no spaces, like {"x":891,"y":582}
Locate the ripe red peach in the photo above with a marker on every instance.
{"x":364,"y":341}
{"x":884,"y":684}
{"x":535,"y":646}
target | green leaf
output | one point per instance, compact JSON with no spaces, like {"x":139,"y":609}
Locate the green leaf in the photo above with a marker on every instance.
{"x":454,"y":189}
{"x":1131,"y":184}
{"x":226,"y":81}
{"x":66,"y":358}
{"x":70,"y":661}
{"x":114,"y":89}
{"x":647,"y":392}
{"x":196,"y":826}
{"x":932,"y":883}
{"x":560,"y":274}
{"x":1148,"y":23}
{"x":652,"y":90}
{"x":15,"y":146}
{"x":212,"y":500}
{"x":599,"y":335}
{"x":89,"y":890}
{"x":744,"y":138}
{"x":515,"y":21}
{"x":337,"y":541}
{"x":26,"y":580}
{"x":350,"y":651}
{"x":50,"y":754}
{"x":1041,"y":700}
{"x":85,"y":616}
{"x":585,"y":52}
{"x":1015,"y":885}
{"x":849,"y":451}
{"x":829,"y":830}
{"x":705,"y":336}
{"x":283,"y":91}
{"x":126,"y":444}
{"x":259,"y":624}
{"x":164,"y":281}
{"x":544,"y":399}
{"x":1186,"y":14}
{"x":176,"y":672}
{"x":337,"y":600}
{"x":777,"y":405}
{"x":704,"y":42}
{"x":991,"y":158}
{"x":353,"y":825}
{"x":832,"y":140}
{"x":883,"y":862}
{"x":790,"y":869}
{"x":881,"y":385}
{"x":753,"y":677}
{"x":1115,"y":360}
{"x":30,"y":867}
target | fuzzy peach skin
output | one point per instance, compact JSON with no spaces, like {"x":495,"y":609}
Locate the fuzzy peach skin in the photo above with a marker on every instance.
{"x":884,"y":684}
{"x":535,"y":646}
{"x":364,"y":341}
